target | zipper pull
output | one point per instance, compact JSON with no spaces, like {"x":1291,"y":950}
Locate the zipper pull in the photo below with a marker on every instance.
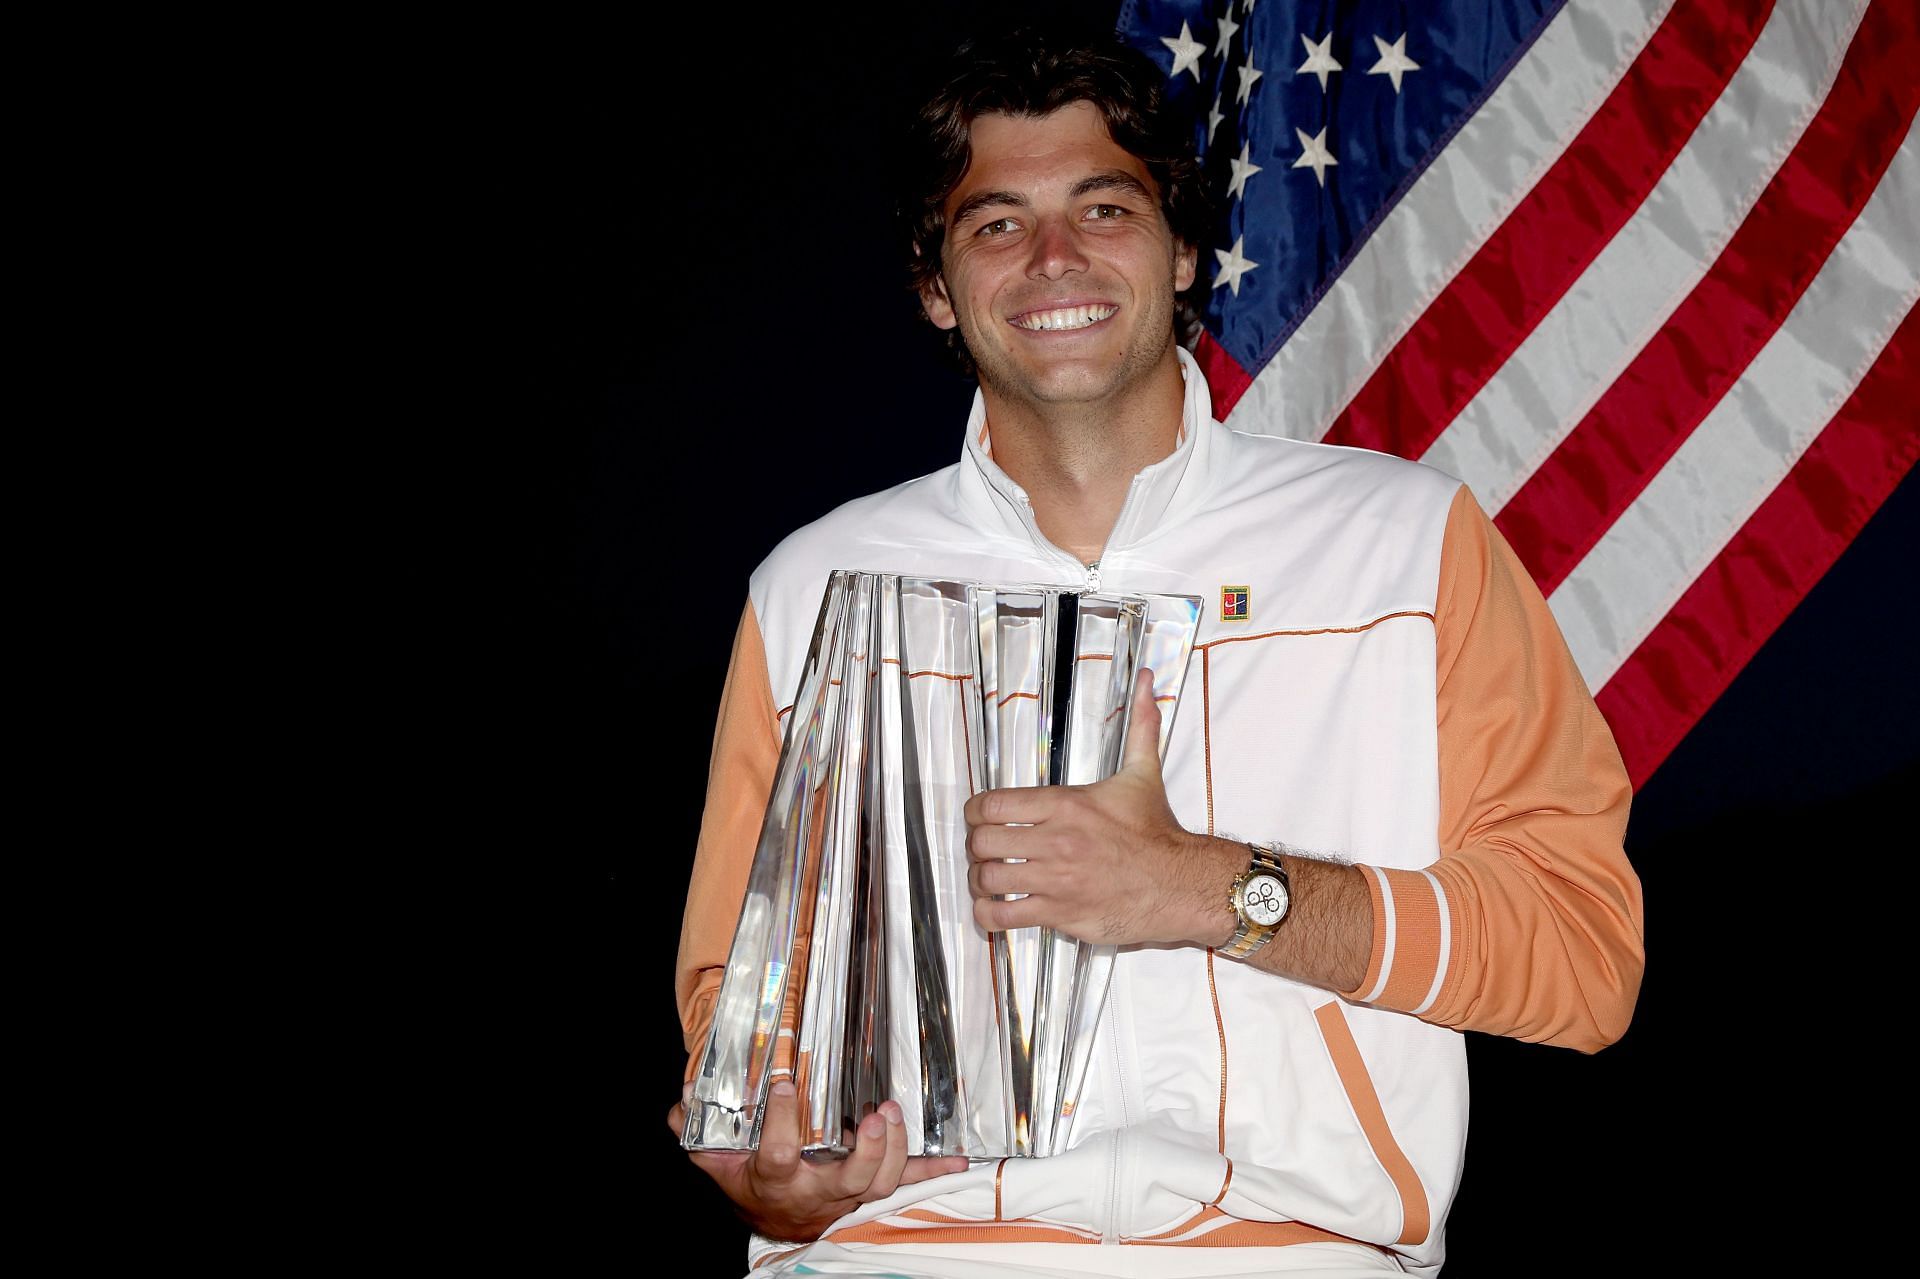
{"x":1093,"y":576}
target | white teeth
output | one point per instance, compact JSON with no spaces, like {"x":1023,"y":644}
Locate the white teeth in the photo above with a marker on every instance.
{"x":1067,"y":317}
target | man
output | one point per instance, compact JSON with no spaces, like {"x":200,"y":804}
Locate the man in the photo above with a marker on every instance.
{"x":1280,"y":1086}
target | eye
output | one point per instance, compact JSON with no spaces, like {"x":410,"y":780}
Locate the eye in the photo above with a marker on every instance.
{"x":998,"y":226}
{"x":1106,"y":211}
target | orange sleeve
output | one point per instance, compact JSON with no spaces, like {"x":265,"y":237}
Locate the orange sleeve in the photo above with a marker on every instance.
{"x":1530,"y":925}
{"x":746,"y":749}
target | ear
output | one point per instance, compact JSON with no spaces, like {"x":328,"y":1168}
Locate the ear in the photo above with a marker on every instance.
{"x":934,"y":301}
{"x":1186,"y":259}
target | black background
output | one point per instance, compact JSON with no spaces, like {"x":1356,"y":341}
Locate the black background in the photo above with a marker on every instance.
{"x":695,"y":338}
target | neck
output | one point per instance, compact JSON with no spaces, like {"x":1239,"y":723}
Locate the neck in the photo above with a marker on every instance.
{"x":1076,"y":461}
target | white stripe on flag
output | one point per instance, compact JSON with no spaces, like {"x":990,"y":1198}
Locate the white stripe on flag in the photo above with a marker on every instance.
{"x":1753,"y":436}
{"x":1525,"y":410}
{"x":1465,"y":194}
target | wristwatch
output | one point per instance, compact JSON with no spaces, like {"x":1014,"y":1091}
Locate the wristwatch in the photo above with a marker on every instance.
{"x":1260,"y":896}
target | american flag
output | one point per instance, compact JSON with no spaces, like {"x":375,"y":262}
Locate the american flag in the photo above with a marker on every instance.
{"x":1641,"y":272}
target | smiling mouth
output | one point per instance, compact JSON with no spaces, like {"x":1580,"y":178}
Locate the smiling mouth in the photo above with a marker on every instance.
{"x":1063,"y":318}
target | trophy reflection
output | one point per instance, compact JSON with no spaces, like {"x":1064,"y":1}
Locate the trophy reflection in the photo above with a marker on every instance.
{"x":857,"y":967}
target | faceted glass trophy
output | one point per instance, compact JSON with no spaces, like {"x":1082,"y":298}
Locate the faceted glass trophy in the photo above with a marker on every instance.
{"x":857,"y":968}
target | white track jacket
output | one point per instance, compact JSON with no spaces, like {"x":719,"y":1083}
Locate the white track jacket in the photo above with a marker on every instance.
{"x":1397,"y":696}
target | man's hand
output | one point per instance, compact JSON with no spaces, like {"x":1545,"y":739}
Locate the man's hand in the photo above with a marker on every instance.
{"x":1103,"y":863}
{"x":784,"y":1196}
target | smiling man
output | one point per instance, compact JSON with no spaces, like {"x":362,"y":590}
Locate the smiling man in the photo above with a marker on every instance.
{"x":1060,"y":272}
{"x":1280,"y":1085}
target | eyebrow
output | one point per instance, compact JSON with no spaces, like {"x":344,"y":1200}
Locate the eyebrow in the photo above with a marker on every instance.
{"x":1112,"y":180}
{"x":1107,"y":180}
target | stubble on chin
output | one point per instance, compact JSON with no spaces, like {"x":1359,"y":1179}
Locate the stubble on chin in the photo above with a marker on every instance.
{"x":1078,"y":384}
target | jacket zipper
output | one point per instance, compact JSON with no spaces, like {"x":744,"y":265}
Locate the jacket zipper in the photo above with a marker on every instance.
{"x":1089,"y":573}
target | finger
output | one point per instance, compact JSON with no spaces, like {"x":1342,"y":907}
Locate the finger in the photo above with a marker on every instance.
{"x":894,"y":1161}
{"x":778,"y":1158}
{"x":858,"y":1169}
{"x":1143,"y":726}
{"x":1003,"y":879}
{"x":1012,"y":804}
{"x":1006,"y":843}
{"x":923,"y":1167}
{"x":997,"y":916}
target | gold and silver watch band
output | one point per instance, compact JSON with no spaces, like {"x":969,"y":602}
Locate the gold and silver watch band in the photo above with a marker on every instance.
{"x":1251,"y":935}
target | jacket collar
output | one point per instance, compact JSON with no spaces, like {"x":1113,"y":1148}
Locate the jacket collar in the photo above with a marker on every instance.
{"x":1160,"y":494}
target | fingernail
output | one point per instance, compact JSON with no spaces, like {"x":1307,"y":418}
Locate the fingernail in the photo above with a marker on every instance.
{"x":686,"y":1092}
{"x":891,"y":1110}
{"x":784,"y":1088}
{"x":870,"y":1128}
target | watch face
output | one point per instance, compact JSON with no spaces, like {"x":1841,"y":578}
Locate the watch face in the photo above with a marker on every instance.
{"x":1265,"y":900}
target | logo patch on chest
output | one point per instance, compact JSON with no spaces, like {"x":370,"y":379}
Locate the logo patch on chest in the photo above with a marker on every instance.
{"x":1233,"y":603}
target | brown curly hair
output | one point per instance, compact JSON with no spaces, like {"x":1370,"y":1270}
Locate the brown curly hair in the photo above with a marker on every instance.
{"x":1032,"y":72}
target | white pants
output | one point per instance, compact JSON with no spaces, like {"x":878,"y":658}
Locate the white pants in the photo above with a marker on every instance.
{"x":1074,"y":1261}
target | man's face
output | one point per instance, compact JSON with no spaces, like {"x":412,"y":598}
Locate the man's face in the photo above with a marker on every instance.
{"x":1058,"y":266}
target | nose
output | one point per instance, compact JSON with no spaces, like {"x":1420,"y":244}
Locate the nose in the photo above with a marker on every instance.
{"x":1056,"y":249}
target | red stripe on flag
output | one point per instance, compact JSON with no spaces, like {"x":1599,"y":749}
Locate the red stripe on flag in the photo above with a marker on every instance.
{"x":1783,"y":549}
{"x":1487,"y":310}
{"x":1676,"y":379}
{"x":1225,"y":378}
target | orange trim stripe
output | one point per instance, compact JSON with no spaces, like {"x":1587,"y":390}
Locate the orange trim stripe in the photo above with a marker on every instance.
{"x":999,"y":1169}
{"x":1206,"y":726}
{"x":934,"y":1215}
{"x":1325,"y":630}
{"x":1264,"y":1234}
{"x":1223,"y":1186}
{"x":1240,"y":1233}
{"x":1416,"y":939}
{"x":1377,"y":956}
{"x":1414,"y":1218}
{"x":1220,"y":1025}
{"x":961,"y":1232}
{"x":1203,"y":648}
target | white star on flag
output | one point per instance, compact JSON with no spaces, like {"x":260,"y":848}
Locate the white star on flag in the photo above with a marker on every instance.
{"x":1393,"y":62}
{"x":1232,"y":266}
{"x":1248,"y":74}
{"x":1314,"y":154}
{"x":1319,"y":60}
{"x":1241,"y":172}
{"x":1213,"y":118}
{"x":1227,"y":27}
{"x":1186,"y":53}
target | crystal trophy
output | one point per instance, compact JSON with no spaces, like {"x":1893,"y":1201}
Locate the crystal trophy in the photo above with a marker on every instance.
{"x":857,"y":968}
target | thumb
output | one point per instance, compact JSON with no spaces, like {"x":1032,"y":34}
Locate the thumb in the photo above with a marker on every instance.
{"x":1143,"y":726}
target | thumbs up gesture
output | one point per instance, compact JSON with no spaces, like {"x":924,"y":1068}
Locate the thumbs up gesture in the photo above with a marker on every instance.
{"x":1107,"y":862}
